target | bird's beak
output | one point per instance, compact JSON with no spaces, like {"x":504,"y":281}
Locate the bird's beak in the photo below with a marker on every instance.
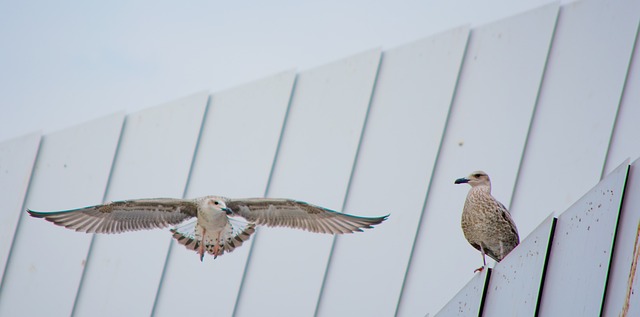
{"x":227,"y":210}
{"x":461,"y":180}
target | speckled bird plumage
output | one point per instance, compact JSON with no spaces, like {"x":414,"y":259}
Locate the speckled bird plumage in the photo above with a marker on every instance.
{"x":486,"y":223}
{"x":216,"y":229}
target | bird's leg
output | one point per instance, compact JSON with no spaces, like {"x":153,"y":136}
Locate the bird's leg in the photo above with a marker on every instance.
{"x":201,"y":249}
{"x":484,"y":257}
{"x":484,"y":261}
{"x":216,"y":246}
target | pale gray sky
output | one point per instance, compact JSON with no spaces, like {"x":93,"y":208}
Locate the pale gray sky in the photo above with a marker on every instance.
{"x":65,"y":62}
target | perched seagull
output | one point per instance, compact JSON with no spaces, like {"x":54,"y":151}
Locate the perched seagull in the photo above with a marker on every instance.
{"x":215,"y":229}
{"x":486,"y":223}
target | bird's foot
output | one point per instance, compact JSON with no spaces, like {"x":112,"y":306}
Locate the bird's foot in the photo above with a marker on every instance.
{"x":202,"y":243}
{"x":216,"y":249}
{"x":201,"y":251}
{"x":480,"y":269}
{"x":216,"y":246}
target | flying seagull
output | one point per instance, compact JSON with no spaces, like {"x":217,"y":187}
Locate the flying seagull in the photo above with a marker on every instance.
{"x":216,"y":227}
{"x":486,"y":223}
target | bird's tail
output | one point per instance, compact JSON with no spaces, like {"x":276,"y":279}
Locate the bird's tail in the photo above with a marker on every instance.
{"x":231,"y":237}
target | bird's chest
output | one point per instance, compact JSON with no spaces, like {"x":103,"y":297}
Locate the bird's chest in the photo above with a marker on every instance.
{"x":477,"y":216}
{"x":211,"y":220}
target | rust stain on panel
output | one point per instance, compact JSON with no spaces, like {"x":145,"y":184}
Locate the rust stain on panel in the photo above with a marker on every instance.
{"x":632,"y":274}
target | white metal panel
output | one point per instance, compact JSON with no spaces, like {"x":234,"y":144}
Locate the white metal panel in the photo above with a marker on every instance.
{"x":622,"y":281}
{"x":577,"y":106}
{"x":486,"y":131}
{"x":516,"y":281}
{"x":314,"y":163}
{"x":624,"y":143}
{"x":410,"y":104}
{"x":47,"y":261}
{"x":154,"y":158}
{"x":622,"y":298}
{"x":17,"y":157}
{"x":234,"y":165}
{"x":582,"y":244}
{"x":468,"y":301}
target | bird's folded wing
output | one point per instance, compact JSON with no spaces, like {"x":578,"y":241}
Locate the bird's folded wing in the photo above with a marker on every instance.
{"x":121,"y":216}
{"x":300,"y":215}
{"x":506,"y":217}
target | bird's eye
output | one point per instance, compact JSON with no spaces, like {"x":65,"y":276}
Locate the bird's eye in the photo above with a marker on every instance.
{"x":216,"y":203}
{"x":477,"y":175}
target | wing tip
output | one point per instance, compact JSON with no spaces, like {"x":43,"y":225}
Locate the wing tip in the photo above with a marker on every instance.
{"x":374,"y":221}
{"x":379,"y":220}
{"x":36,"y":214}
{"x":41,"y":214}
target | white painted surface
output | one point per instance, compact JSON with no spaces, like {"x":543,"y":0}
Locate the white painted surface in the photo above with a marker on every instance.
{"x":624,"y":142}
{"x":624,"y":276}
{"x":314,"y":163}
{"x":576,"y":110}
{"x":366,"y":270}
{"x":69,"y":62}
{"x":153,"y":160}
{"x":47,"y":261}
{"x":468,"y":302}
{"x":486,"y":131}
{"x":17,"y":157}
{"x":578,"y":264}
{"x":515,"y":282}
{"x":235,"y":155}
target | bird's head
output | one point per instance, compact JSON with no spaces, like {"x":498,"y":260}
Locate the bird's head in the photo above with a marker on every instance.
{"x":215,"y":203}
{"x":476,"y":178}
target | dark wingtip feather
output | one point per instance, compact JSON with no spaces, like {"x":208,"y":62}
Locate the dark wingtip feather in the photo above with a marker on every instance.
{"x":36,"y":214}
{"x":39,"y":214}
{"x":379,"y":220}
{"x":371,"y":222}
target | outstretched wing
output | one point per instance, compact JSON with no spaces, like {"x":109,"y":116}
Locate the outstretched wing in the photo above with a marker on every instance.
{"x":121,"y":216}
{"x":299,"y":215}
